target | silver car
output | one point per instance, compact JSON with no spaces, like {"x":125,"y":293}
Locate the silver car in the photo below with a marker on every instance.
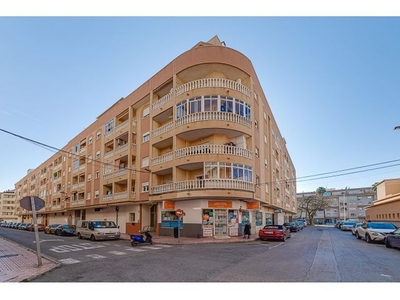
{"x":355,"y":226}
{"x":347,"y":225}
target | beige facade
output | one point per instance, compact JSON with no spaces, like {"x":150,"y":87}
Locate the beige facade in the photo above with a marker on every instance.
{"x":7,"y":206}
{"x":198,"y":136}
{"x":387,"y":206}
{"x":344,"y":204}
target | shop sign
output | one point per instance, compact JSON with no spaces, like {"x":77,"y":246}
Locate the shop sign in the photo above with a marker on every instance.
{"x":179,"y":212}
{"x":168,"y":204}
{"x":253,"y":205}
{"x":220,"y":204}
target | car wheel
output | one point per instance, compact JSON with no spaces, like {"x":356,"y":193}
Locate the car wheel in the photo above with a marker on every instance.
{"x":368,"y":238}
{"x":387,"y":244}
{"x":358,"y":235}
{"x":284,"y":238}
{"x":92,"y":237}
{"x":79,"y":236}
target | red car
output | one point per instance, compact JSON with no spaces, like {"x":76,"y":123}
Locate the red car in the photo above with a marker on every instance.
{"x":274,"y":232}
{"x":40,"y":227}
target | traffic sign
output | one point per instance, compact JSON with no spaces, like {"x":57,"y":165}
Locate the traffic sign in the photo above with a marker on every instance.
{"x":179,"y":212}
{"x":26,"y":203}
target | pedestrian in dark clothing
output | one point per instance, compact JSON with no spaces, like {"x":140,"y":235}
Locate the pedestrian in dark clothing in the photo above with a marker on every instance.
{"x":247,"y":229}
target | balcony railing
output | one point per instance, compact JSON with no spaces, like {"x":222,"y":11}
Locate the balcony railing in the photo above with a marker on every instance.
{"x":121,"y":149}
{"x":204,"y":184}
{"x":162,"y":159}
{"x":212,"y":116}
{"x":116,"y":196}
{"x":163,"y":129}
{"x":122,"y":125}
{"x":213,"y":82}
{"x":164,"y":188}
{"x":203,"y":83}
{"x":214,"y":149}
{"x":165,"y":99}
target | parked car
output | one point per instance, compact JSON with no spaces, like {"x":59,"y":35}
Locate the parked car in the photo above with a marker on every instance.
{"x":347,"y":226}
{"x":305,"y":223}
{"x":355,"y":226}
{"x":65,"y":230}
{"x":301,"y":224}
{"x":40,"y":227}
{"x":338,"y":224}
{"x":393,"y":239}
{"x":23,"y":226}
{"x":274,"y":232}
{"x":51,"y":228}
{"x":293,"y":226}
{"x":374,"y":231}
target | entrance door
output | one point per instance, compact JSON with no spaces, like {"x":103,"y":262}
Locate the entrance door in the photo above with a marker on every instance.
{"x":221,"y":222}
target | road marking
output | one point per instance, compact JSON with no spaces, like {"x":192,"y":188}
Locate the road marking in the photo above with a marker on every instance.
{"x":55,"y":240}
{"x":162,"y":245}
{"x":69,"y":261}
{"x":117,"y":252}
{"x":135,"y":249}
{"x":96,"y":256}
{"x":150,"y":247}
{"x":384,"y":275}
{"x":75,"y":247}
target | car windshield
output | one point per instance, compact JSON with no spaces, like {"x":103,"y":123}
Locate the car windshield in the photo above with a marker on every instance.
{"x":68,"y":226}
{"x":104,"y":224}
{"x":381,"y":226}
{"x":348,"y":223}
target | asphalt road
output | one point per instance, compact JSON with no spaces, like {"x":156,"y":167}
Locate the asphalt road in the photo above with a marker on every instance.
{"x":315,"y":254}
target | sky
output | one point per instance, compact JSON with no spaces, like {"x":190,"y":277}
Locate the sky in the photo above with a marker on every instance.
{"x":332,"y":82}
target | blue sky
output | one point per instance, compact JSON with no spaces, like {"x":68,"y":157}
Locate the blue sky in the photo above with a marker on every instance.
{"x":332,"y":83}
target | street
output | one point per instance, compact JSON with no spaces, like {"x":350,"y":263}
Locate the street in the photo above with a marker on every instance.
{"x":315,"y":254}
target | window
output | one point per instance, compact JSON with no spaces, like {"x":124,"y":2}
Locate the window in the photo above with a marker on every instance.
{"x":89,"y":177}
{"x":145,"y":161}
{"x":132,"y":217}
{"x":266,"y":163}
{"x":97,"y":176}
{"x":145,"y":187}
{"x":109,"y":126}
{"x":75,"y":164}
{"x":88,"y":195}
{"x":98,"y":154}
{"x":146,"y":111}
{"x":90,"y":140}
{"x":256,"y":151}
{"x":98,"y":135}
{"x":195,"y":105}
{"x":90,"y":157}
{"x":146,"y":137}
{"x":96,"y":194}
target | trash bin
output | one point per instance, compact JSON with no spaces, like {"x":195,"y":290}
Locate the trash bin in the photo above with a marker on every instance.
{"x":176,"y":233}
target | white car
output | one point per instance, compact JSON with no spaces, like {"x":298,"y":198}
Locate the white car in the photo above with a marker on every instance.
{"x":374,"y":231}
{"x":353,"y":230}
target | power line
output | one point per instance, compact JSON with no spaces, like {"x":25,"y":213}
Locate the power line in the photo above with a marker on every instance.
{"x":296,"y":179}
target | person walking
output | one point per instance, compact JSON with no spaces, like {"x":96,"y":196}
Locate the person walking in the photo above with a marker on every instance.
{"x":247,"y":229}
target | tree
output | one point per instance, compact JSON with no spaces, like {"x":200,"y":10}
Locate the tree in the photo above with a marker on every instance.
{"x":374,"y":186}
{"x":313,"y":203}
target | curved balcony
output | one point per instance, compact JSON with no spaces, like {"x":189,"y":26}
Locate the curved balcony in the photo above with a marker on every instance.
{"x":199,"y":184}
{"x":203,"y":83}
{"x":213,"y":116}
{"x":214,"y":149}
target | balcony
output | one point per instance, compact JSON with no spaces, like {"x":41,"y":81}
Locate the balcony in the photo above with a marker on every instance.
{"x":213,"y":116}
{"x":162,"y":159}
{"x":203,"y":83}
{"x":213,"y":149}
{"x":117,"y":196}
{"x":198,"y":184}
{"x":163,"y":129}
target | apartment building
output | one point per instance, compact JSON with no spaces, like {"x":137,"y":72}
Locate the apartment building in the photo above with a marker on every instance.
{"x":386,"y":208}
{"x":344,"y":204}
{"x":198,"y":137}
{"x":7,"y":206}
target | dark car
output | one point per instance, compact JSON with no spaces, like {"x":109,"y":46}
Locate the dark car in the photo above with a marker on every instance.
{"x":65,"y":230}
{"x":393,"y":239}
{"x":274,"y":232}
{"x":347,"y":226}
{"x":51,"y":228}
{"x":293,"y":226}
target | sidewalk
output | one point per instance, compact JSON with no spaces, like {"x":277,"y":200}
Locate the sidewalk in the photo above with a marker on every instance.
{"x":18,"y":263}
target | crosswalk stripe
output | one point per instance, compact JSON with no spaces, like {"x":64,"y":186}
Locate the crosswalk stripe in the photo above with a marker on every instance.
{"x":69,"y":261}
{"x":135,"y":249}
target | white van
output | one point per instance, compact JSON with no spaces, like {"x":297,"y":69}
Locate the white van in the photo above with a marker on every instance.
{"x":97,"y":230}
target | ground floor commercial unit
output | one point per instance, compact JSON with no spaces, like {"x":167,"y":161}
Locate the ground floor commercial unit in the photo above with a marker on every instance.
{"x":200,"y":218}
